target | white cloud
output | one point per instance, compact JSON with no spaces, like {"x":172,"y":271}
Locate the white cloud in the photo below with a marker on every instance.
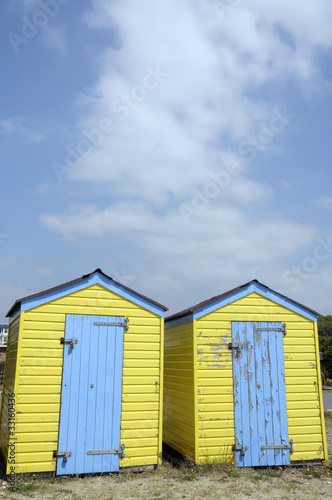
{"x":21,"y":129}
{"x":324,"y":202}
{"x":223,"y":231}
{"x":166,"y":140}
{"x":216,"y":90}
{"x":54,"y":37}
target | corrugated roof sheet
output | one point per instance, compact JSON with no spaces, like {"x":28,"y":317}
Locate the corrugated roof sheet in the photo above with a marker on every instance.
{"x":19,"y":301}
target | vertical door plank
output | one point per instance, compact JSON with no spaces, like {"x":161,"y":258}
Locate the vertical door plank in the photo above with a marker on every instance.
{"x":260,"y":409}
{"x":260,"y":396}
{"x":90,"y":416}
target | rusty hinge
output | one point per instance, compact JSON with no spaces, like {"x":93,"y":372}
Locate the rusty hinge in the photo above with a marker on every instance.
{"x":71,"y":342}
{"x":62,"y":454}
{"x":238,"y":447}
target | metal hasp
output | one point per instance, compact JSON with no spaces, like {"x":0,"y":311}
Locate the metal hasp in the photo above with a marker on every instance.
{"x":62,"y":454}
{"x":263,"y":329}
{"x":234,"y":346}
{"x":279,"y":446}
{"x":119,"y":452}
{"x":71,"y":342}
{"x":113,"y":323}
{"x":238,"y":447}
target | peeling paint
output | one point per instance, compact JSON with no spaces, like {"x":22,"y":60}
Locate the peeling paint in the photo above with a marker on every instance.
{"x":278,"y":415}
{"x":258,"y":337}
{"x":251,"y":432}
{"x":216,"y":366}
{"x":250,"y":402}
{"x":236,"y":382}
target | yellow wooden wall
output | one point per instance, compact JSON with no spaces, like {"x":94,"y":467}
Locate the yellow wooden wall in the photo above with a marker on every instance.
{"x":39,"y":374}
{"x":178,"y":427}
{"x":215,"y":433}
{"x":9,"y":384}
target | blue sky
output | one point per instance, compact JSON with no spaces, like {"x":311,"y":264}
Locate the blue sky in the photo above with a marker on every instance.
{"x":182,"y":147}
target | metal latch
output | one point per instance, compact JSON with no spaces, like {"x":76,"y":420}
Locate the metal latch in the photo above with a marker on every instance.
{"x":71,"y":342}
{"x":119,"y":452}
{"x":271,"y":329}
{"x":236,"y":347}
{"x":279,"y":446}
{"x":238,"y":447}
{"x":62,"y":454}
{"x":113,"y":323}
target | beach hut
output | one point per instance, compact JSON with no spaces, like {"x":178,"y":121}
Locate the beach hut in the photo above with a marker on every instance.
{"x":242,"y":380}
{"x":83,"y":380}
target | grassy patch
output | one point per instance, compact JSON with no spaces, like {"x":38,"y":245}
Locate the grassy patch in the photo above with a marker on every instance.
{"x":24,"y":488}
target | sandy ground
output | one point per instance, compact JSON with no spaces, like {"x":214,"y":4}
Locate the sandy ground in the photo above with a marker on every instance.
{"x":169,"y":482}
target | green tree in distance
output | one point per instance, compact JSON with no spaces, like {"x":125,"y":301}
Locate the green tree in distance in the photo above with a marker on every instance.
{"x":325,"y":344}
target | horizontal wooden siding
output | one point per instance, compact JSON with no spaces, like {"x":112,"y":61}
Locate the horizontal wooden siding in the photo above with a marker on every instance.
{"x":215,"y":378}
{"x":40,"y":374}
{"x":179,"y":389}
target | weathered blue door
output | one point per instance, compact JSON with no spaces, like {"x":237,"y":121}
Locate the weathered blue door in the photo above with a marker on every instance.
{"x":90,"y":414}
{"x":260,"y":411}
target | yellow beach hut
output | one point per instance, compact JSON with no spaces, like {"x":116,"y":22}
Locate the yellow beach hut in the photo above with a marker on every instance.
{"x":242,"y":380}
{"x":83,"y":380}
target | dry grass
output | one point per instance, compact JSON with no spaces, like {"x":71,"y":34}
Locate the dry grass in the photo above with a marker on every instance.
{"x":186,"y":480}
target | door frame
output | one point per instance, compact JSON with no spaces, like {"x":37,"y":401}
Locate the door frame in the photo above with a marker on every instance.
{"x":259,"y":390}
{"x":91,"y":397}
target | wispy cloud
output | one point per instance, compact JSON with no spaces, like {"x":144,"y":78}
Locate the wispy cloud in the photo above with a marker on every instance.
{"x":324,"y":202}
{"x":20,"y":129}
{"x":54,"y":37}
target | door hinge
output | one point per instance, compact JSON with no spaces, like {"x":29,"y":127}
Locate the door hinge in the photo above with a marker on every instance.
{"x":271,"y":329}
{"x":119,"y":452}
{"x":71,"y":342}
{"x":62,"y":454}
{"x":238,"y":447}
{"x":279,"y":446}
{"x":113,"y":323}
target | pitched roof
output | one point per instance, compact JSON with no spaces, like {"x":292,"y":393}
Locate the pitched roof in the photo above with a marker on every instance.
{"x":78,"y":280}
{"x":205,"y":303}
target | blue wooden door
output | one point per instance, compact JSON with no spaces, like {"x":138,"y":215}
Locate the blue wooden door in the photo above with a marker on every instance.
{"x":260,"y":411}
{"x":90,"y":414}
